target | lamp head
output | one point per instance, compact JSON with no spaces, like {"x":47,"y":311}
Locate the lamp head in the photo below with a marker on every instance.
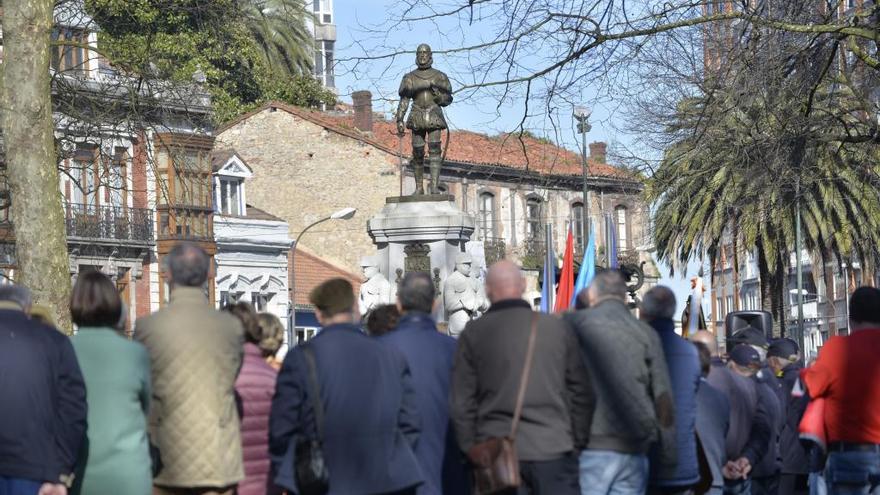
{"x":343,"y":214}
{"x":582,"y":113}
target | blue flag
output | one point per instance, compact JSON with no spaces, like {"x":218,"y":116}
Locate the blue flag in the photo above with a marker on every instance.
{"x":548,"y":288}
{"x":587,"y":271}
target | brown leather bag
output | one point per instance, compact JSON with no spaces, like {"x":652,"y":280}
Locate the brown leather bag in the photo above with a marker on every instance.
{"x":495,"y":463}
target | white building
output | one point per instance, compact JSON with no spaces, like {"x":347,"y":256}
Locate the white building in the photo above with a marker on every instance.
{"x":252,"y":245}
{"x":323,"y":29}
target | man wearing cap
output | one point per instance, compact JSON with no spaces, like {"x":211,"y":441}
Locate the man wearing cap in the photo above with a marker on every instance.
{"x":765,"y":474}
{"x":748,"y":434}
{"x":782,"y":358}
{"x":847,"y":376}
{"x":376,"y":289}
{"x":371,"y":423}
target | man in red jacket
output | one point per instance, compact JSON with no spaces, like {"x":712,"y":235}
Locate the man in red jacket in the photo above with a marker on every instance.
{"x":847,"y":376}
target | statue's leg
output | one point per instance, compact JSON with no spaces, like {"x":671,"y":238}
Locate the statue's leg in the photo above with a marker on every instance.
{"x":418,"y":161}
{"x":434,"y":160}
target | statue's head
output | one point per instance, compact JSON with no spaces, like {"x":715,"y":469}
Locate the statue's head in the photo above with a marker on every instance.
{"x":369,"y":266}
{"x":424,"y":59}
{"x":463,"y":262}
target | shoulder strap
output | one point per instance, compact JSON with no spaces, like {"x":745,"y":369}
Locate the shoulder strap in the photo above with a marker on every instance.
{"x":314,"y":389}
{"x":524,"y":379}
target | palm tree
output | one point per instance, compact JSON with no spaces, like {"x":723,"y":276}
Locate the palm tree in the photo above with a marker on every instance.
{"x":737,"y":176}
{"x":280,"y":30}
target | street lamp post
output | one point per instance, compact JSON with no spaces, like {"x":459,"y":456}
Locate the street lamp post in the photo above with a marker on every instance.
{"x":343,"y":214}
{"x":582,"y":115}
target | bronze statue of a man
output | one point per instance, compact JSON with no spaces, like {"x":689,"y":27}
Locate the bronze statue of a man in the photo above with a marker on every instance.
{"x":428,"y":89}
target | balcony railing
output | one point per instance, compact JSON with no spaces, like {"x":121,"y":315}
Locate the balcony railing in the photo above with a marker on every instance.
{"x":109,"y":223}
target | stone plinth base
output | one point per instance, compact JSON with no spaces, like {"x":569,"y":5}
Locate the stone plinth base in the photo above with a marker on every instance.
{"x":409,"y":224}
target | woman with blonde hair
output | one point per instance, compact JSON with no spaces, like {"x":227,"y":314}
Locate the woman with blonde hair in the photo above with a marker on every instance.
{"x":271,"y":338}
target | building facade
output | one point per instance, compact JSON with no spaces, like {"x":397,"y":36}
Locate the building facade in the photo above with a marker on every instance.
{"x":323,"y":28}
{"x":308,"y":164}
{"x":252,"y":245}
{"x":134,"y":181}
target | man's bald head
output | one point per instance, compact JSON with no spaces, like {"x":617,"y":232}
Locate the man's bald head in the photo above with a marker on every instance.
{"x":504,"y":281}
{"x":708,"y":339}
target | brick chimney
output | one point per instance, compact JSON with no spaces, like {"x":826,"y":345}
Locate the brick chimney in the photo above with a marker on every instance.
{"x":362,"y":101}
{"x":597,"y":151}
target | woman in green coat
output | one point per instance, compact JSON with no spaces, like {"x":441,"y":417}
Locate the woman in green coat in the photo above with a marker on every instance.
{"x":115,"y":459}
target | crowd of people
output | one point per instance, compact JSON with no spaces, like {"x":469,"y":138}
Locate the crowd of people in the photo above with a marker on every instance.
{"x":594,"y":401}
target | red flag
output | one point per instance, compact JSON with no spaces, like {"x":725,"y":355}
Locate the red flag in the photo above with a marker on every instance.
{"x":566,"y":282}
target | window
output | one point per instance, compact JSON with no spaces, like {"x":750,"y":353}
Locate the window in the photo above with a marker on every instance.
{"x":67,"y":58}
{"x":719,"y":306}
{"x":533,"y":219}
{"x":260,"y":301}
{"x":231,"y":197}
{"x":487,"y":216}
{"x":324,"y":62}
{"x":116,"y":183}
{"x":622,"y":238}
{"x":730,"y":304}
{"x":83,"y":190}
{"x":323,"y":10}
{"x":577,"y":220}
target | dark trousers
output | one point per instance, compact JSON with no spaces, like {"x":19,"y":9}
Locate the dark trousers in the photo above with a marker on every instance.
{"x":793,"y":484}
{"x":765,"y":485}
{"x":556,"y":477}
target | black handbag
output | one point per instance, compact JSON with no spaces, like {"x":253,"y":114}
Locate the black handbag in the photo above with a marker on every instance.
{"x":309,"y":467}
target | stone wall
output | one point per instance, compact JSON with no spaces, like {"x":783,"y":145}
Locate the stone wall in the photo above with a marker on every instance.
{"x":303,"y":172}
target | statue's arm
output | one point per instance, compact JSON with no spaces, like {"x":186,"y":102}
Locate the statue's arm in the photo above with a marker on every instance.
{"x":442,"y":90}
{"x":405,"y":93}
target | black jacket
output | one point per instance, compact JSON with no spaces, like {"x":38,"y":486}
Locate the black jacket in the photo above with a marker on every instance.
{"x":42,"y":400}
{"x":558,"y":405}
{"x":794,"y":456}
{"x":769,"y":397}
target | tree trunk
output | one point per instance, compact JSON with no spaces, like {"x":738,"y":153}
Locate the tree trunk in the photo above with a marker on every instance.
{"x":28,"y":131}
{"x":773,"y":287}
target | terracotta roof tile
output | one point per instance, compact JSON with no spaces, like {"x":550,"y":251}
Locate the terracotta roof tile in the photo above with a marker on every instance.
{"x":311,"y":271}
{"x":506,"y":150}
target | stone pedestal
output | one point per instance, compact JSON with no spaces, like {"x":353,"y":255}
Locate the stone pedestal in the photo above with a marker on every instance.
{"x":418,"y":232}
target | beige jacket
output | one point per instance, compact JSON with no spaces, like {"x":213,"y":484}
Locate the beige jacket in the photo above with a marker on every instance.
{"x":195,"y":355}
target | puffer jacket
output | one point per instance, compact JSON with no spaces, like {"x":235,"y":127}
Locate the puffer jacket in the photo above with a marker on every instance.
{"x":254,"y":388}
{"x":195,"y":355}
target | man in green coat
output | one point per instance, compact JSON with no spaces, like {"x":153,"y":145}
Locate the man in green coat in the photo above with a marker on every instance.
{"x":195,"y":355}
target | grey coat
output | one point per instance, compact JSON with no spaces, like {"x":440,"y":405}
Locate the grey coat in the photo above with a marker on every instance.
{"x":634,"y":406}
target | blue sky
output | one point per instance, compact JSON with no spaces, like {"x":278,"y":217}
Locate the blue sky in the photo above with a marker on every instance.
{"x":354,"y":18}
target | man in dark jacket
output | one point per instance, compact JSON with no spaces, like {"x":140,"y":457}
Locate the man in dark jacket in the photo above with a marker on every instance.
{"x":783,"y":359}
{"x":558,"y":405}
{"x":429,"y":354}
{"x":713,"y":422}
{"x":657,"y":309}
{"x":749,"y":434}
{"x":765,"y":473}
{"x":634,"y":407}
{"x":43,"y":397}
{"x":370,"y":418}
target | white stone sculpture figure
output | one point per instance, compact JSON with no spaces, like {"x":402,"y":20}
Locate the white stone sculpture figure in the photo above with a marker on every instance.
{"x":376,"y":289}
{"x":479,"y":285}
{"x":459,"y":295}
